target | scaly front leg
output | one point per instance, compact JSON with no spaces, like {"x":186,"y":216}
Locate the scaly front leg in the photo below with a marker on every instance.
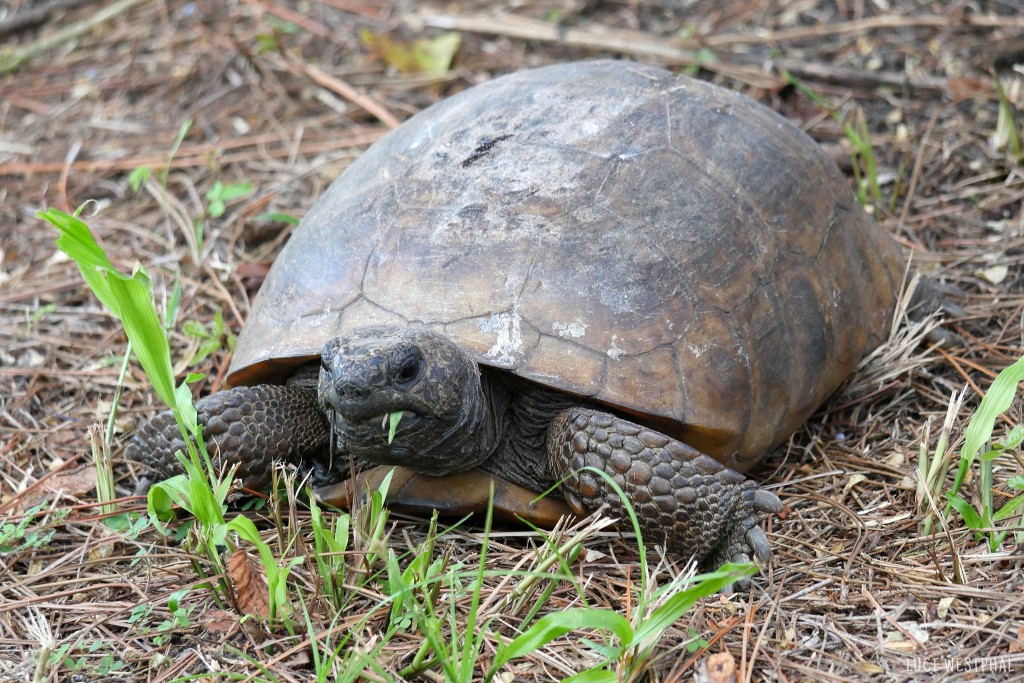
{"x":251,"y":426}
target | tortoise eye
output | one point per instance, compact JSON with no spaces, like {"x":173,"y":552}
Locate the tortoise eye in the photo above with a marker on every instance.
{"x":409,"y":370}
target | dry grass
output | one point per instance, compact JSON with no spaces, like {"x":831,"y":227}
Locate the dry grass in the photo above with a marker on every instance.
{"x":854,"y":591}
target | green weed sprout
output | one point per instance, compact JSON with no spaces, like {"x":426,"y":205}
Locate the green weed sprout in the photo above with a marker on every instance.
{"x":1006,"y":135}
{"x":199,"y":491}
{"x":130,"y":299}
{"x":977,"y":438}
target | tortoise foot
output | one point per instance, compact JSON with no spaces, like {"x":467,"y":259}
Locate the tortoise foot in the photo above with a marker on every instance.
{"x":745,"y":540}
{"x":683,"y":498}
{"x":251,"y":426}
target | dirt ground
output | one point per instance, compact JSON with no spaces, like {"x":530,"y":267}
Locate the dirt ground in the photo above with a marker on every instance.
{"x":283,"y":95}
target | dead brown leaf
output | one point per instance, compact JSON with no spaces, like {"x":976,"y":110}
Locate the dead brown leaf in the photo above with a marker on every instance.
{"x":249,"y":583}
{"x":220,"y":622}
{"x":72,"y":484}
{"x":77,"y":482}
{"x":1017,"y":646}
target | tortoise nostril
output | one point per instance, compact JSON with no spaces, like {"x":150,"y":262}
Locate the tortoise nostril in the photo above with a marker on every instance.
{"x":348,"y":391}
{"x":350,"y":400}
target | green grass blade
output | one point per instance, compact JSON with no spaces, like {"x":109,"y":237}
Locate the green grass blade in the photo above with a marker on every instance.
{"x":594,"y":676}
{"x":78,"y":243}
{"x":393,"y":420}
{"x":144,"y":331}
{"x":970,"y":515}
{"x":557,"y":624}
{"x":182,"y":132}
{"x":634,"y":521}
{"x":173,"y":305}
{"x":1009,"y":509}
{"x":278,"y":218}
{"x":995,"y":402}
{"x":205,"y":505}
{"x":677,"y":605}
{"x":163,"y":495}
{"x":247,"y":531}
{"x":473,"y":639}
{"x":126,"y":297}
{"x":184,"y":410}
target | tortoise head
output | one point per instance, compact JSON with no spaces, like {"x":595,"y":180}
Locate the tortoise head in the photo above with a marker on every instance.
{"x":375,"y":371}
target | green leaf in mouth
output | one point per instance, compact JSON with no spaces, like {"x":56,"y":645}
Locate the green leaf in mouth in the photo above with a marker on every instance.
{"x":391,"y":421}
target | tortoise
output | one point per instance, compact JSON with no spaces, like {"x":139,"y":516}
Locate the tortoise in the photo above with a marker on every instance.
{"x":588,"y":264}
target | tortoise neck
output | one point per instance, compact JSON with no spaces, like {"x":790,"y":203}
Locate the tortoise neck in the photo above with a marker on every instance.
{"x":464,"y":442}
{"x":522,"y":413}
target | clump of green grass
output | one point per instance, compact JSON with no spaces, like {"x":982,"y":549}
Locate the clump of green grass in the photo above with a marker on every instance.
{"x":932,"y":470}
{"x":33,"y":530}
{"x":986,"y":518}
{"x":978,"y":445}
{"x":130,"y":299}
{"x":452,"y":641}
{"x":201,"y":490}
{"x":630,"y":644}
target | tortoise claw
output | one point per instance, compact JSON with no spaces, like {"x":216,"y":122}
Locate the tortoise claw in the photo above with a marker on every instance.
{"x":766,"y":501}
{"x":758,"y":542}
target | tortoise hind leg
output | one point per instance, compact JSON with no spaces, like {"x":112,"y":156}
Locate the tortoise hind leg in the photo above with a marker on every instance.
{"x":683,"y":498}
{"x":251,"y":426}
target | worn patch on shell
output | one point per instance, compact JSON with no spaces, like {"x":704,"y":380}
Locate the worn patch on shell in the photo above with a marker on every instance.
{"x":614,"y":351}
{"x":508,"y":330}
{"x":573,"y":330}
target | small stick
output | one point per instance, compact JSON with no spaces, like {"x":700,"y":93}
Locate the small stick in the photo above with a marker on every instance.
{"x":11,"y":59}
{"x":884,"y":22}
{"x":745,"y":68}
{"x":197,"y":155}
{"x":915,"y":175}
{"x":33,"y":16}
{"x":343,"y":89}
{"x":627,"y":42}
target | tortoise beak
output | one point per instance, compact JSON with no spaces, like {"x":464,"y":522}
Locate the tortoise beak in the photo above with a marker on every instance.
{"x":357,"y":404}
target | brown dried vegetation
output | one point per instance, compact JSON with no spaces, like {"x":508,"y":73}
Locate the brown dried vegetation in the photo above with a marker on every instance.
{"x":283,"y":95}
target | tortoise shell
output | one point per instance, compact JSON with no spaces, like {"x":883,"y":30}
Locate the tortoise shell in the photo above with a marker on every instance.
{"x":655,"y":243}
